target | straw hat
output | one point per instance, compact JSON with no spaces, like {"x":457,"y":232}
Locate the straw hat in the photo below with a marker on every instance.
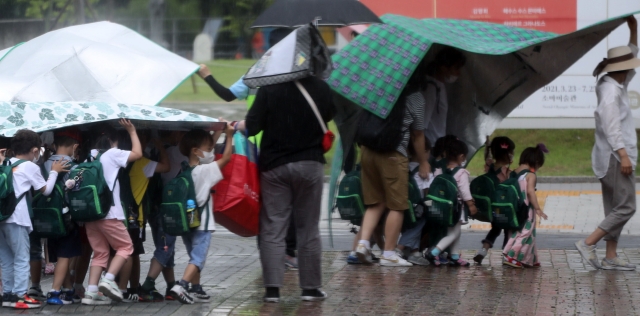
{"x":618,"y":59}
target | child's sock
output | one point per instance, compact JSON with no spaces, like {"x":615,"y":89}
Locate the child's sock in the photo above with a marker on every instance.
{"x":109,"y":276}
{"x":388,"y":253}
{"x":149,"y":284}
{"x":184,"y":284}
{"x":366,"y":243}
{"x":455,"y":256}
{"x":435,"y":252}
{"x":196,"y":287}
{"x":92,"y":289}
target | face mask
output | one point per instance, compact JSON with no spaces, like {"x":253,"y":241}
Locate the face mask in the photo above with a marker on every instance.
{"x":36,"y":157}
{"x":451,"y":79}
{"x":208,"y":157}
{"x":464,"y":163}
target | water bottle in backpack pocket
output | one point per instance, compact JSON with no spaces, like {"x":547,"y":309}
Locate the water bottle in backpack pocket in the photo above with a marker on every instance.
{"x":8,"y":199}
{"x":510,"y":210}
{"x":443,"y":195}
{"x":90,"y":198}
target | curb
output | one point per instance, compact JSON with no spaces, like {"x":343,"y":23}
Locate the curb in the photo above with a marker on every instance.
{"x":568,"y":180}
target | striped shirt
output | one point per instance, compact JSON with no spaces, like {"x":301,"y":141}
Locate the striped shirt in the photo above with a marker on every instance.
{"x":413,"y":119}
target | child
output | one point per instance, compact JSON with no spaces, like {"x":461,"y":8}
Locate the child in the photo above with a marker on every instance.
{"x":198,"y":146}
{"x":456,"y":155}
{"x":409,"y":244}
{"x":502,"y":149}
{"x":14,"y":232}
{"x":62,"y":249}
{"x":521,"y":251}
{"x":110,"y":231}
{"x":163,"y":255}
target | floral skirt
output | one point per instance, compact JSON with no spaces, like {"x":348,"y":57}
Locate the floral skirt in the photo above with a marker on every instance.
{"x":522,"y":245}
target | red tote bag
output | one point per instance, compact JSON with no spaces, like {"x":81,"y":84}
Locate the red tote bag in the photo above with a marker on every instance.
{"x":236,"y":199}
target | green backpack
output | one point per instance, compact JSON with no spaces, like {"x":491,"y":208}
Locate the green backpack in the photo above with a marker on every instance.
{"x":349,"y":199}
{"x":91,"y":198}
{"x":8,"y":199}
{"x":443,"y":194}
{"x":483,"y":189}
{"x":173,"y":209}
{"x":411,"y":215}
{"x":509,"y":208}
{"x":47,"y":218}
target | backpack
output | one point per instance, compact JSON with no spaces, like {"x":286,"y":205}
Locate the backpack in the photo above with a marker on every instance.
{"x":483,"y":190}
{"x":8,"y":199}
{"x":414,"y":212}
{"x":48,"y":219}
{"x":130,"y":207}
{"x":382,"y":135}
{"x":349,"y":199}
{"x":91,"y":198}
{"x":173,"y":209}
{"x":509,"y":208}
{"x":443,"y":193}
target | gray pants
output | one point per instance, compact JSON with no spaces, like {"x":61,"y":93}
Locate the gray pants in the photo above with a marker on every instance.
{"x":619,"y":199}
{"x":292,"y":190}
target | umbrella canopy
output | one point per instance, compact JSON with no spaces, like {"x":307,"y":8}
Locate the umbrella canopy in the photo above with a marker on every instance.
{"x":505,"y":65}
{"x":294,"y":13}
{"x":46,"y":116}
{"x":299,"y":55}
{"x":100,"y":61}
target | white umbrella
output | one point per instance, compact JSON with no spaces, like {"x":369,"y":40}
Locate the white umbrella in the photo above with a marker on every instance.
{"x":100,"y":61}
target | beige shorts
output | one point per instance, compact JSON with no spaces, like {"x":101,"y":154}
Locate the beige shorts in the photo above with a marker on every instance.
{"x":385,"y":179}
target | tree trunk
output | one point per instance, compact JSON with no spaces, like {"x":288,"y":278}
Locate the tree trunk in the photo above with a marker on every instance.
{"x":156,"y":21}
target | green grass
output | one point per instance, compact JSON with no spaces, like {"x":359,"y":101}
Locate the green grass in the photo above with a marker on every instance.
{"x":569,"y":150}
{"x":225,"y":71}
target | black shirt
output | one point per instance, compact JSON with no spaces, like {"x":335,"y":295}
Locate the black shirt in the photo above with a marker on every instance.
{"x":292,"y":132}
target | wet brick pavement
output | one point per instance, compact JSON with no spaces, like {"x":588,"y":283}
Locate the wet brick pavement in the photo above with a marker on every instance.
{"x":562,"y":286}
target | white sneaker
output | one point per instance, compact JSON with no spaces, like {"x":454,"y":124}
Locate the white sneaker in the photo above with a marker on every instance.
{"x":110,"y":289}
{"x":394,"y":261}
{"x":181,"y":294}
{"x":95,"y":299}
{"x":588,"y":254}
{"x":617,"y":264}
{"x":364,"y":254}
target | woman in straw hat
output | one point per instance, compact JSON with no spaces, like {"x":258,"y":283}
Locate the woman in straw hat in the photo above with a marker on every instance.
{"x":615,"y":152}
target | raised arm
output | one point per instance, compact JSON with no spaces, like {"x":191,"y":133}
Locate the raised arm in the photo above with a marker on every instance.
{"x":633,"y":28}
{"x":136,"y":148}
{"x":220,"y":90}
{"x":228,"y":148}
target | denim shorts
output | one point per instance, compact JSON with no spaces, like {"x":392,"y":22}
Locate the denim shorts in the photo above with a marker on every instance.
{"x":197,"y":243}
{"x":65,"y":247}
{"x":35,"y":250}
{"x":164,"y":256}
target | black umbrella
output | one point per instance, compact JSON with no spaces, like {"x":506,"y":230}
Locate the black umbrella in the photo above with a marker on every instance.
{"x":294,"y":13}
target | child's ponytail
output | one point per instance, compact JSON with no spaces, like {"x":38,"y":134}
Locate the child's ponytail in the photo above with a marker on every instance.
{"x":501,"y":148}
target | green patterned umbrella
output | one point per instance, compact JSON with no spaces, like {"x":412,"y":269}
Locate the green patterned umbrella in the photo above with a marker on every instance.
{"x":46,"y":116}
{"x":505,"y":65}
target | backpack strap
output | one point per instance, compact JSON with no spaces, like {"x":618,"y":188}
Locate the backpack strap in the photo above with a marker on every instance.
{"x":435,"y":84}
{"x":313,"y":106}
{"x":27,"y":193}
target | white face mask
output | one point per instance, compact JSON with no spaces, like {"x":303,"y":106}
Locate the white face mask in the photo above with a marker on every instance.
{"x":451,"y":79}
{"x":208,"y":157}
{"x":36,"y":157}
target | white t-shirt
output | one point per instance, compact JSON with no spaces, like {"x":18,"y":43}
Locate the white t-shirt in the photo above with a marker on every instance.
{"x":25,"y":176}
{"x":205,"y":177}
{"x":423,"y":184}
{"x":112,"y":160}
{"x":175,"y":163}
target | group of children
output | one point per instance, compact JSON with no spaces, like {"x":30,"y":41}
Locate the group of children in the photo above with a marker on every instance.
{"x":427,"y":244}
{"x":135,"y":173}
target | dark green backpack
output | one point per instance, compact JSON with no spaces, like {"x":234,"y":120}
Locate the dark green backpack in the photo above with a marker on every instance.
{"x":412,"y":214}
{"x":91,"y":198}
{"x":509,"y":208}
{"x":349,"y":199}
{"x":483,"y":189}
{"x":8,"y":199}
{"x":47,"y":219}
{"x":443,"y":194}
{"x":174,"y":202}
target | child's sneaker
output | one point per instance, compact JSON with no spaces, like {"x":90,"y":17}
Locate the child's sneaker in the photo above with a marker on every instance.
{"x":95,"y":299}
{"x":394,"y":261}
{"x":459,"y":263}
{"x":443,"y":258}
{"x":199,"y":295}
{"x":434,"y":260}
{"x":480,"y":256}
{"x":352,"y":258}
{"x":24,"y":302}
{"x":131,"y":296}
{"x":35,"y":292}
{"x":291,"y":263}
{"x":71,"y":295}
{"x":151,"y":296}
{"x":317,"y":295}
{"x":168,"y":296}
{"x":58,"y":298}
{"x":110,"y":289}
{"x":181,"y":294}
{"x":6,"y":300}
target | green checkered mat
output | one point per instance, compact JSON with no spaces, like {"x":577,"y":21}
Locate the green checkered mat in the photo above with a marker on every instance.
{"x":374,"y":68}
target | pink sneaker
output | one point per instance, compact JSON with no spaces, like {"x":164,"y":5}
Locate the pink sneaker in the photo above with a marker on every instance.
{"x":459,"y":263}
